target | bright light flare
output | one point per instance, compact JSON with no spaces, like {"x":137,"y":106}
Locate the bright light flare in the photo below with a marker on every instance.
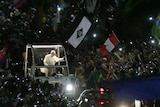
{"x":101,"y":103}
{"x":150,"y":18}
{"x":123,"y":105}
{"x":120,"y":49}
{"x":94,"y":35}
{"x":130,"y":43}
{"x":86,"y":99}
{"x":153,"y":41}
{"x":101,"y":89}
{"x":137,"y":103}
{"x":58,"y":8}
{"x":69,"y":87}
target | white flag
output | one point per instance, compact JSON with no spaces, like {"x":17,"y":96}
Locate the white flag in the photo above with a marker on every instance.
{"x":55,"y":21}
{"x":80,"y":32}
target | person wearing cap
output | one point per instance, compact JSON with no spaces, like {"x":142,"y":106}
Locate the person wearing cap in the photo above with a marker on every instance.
{"x":51,"y":59}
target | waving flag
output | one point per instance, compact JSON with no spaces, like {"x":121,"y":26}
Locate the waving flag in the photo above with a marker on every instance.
{"x":80,"y":32}
{"x":18,"y":3}
{"x":56,"y":21}
{"x":111,"y":42}
{"x":91,"y":5}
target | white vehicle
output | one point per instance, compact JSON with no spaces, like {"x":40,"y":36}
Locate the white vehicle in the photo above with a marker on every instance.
{"x":35,"y":54}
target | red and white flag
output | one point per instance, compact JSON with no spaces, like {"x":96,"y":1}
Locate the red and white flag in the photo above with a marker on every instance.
{"x":111,"y":42}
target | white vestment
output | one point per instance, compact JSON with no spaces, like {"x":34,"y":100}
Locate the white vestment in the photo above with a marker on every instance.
{"x":50,"y":60}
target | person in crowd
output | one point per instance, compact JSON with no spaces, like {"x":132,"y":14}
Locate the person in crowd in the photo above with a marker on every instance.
{"x":51,"y":59}
{"x":80,"y":79}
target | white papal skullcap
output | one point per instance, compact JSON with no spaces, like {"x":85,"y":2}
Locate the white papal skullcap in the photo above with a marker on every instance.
{"x":53,"y":51}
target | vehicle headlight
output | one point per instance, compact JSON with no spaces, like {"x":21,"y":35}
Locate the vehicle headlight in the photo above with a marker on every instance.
{"x":69,"y":87}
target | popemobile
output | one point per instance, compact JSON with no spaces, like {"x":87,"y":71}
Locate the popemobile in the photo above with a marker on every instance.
{"x":59,"y":72}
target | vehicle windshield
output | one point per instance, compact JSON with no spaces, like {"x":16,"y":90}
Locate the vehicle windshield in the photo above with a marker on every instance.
{"x":39,"y":54}
{"x":35,"y":55}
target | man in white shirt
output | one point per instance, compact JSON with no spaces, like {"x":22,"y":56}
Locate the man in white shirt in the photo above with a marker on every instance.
{"x":51,"y":59}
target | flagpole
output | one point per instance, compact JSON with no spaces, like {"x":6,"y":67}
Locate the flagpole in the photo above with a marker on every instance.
{"x":115,"y":53}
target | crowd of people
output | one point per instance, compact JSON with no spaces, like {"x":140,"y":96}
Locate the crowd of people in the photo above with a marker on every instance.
{"x":16,"y":91}
{"x":89,"y":66}
{"x":143,"y":60}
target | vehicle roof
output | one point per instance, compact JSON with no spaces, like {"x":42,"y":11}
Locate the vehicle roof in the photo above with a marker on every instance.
{"x":44,"y":46}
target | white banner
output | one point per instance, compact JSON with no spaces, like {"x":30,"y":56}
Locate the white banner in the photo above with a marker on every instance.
{"x":80,"y":32}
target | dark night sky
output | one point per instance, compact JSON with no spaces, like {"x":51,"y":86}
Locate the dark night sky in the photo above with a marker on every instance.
{"x":134,"y":14}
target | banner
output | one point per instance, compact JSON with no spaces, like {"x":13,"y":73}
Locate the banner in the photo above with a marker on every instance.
{"x":111,"y":42}
{"x":136,"y":88}
{"x":80,"y":32}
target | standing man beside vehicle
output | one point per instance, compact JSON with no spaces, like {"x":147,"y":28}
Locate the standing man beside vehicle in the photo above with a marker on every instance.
{"x":51,"y":59}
